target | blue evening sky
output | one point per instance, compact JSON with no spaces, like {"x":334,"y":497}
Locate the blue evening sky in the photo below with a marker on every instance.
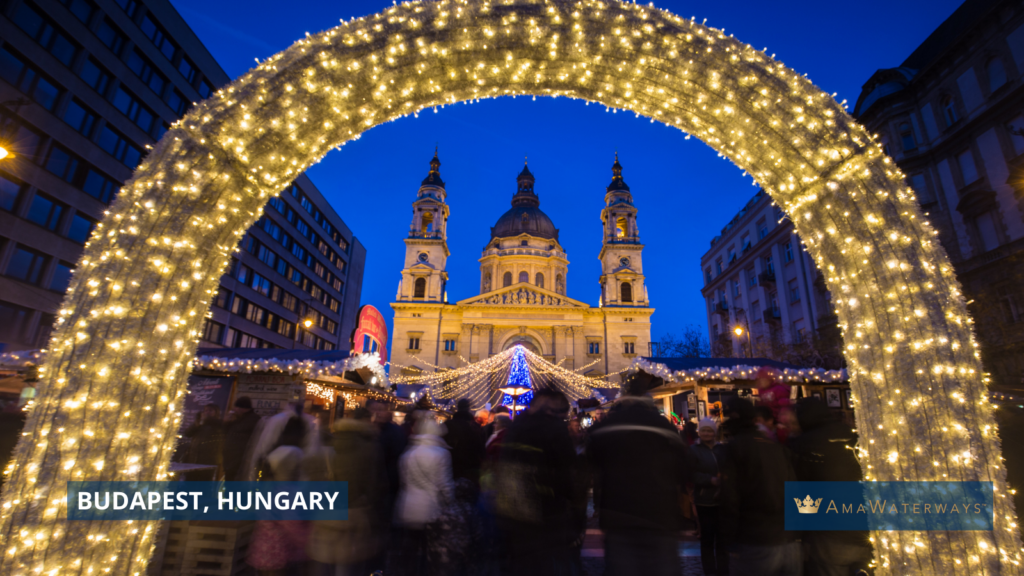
{"x":685,"y":193}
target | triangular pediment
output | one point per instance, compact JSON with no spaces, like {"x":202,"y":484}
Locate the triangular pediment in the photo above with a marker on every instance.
{"x":523,"y":294}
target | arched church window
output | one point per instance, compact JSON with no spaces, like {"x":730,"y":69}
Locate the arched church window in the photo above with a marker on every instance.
{"x":539,"y":280}
{"x":428,"y":222}
{"x":524,"y":276}
{"x":506,"y":280}
{"x":627,"y":292}
{"x":420,"y":290}
{"x":620,"y":227}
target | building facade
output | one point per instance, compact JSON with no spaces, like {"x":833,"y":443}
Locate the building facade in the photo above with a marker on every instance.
{"x":763,"y":291}
{"x":86,"y":87}
{"x":952,"y":116}
{"x":524,"y":273}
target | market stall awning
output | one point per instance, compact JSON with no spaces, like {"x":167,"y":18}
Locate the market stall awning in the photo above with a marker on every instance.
{"x":358,"y":368}
{"x":274,"y":354}
{"x":730,"y":369}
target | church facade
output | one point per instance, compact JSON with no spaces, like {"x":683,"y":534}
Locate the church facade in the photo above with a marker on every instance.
{"x":523,"y":290}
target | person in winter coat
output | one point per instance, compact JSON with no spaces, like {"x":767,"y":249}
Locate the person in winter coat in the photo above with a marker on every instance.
{"x":754,"y":475}
{"x":534,"y":489}
{"x":426,"y":487}
{"x":465,"y":437}
{"x":707,"y":480}
{"x":239,"y":426}
{"x":640,"y":467}
{"x":278,"y":547}
{"x":207,"y":437}
{"x":824,"y":452}
{"x":771,"y":392}
{"x":345,"y":547}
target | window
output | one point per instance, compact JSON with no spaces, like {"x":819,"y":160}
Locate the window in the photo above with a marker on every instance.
{"x":427,"y":219}
{"x":539,"y":280}
{"x":205,"y":90}
{"x":28,"y":80}
{"x":907,"y":136}
{"x":449,"y":345}
{"x":177,"y":102}
{"x":626,"y":290}
{"x":506,"y":279}
{"x":420,"y":288}
{"x":594,"y":348}
{"x":524,"y":277}
{"x":109,"y":34}
{"x":80,"y":118}
{"x":285,"y":328}
{"x":99,"y":186}
{"x":920,"y":186}
{"x":774,"y":299}
{"x":707,"y":276}
{"x":146,"y":72}
{"x":799,"y":332}
{"x":769,"y":265}
{"x":247,"y":341}
{"x":213,"y":331}
{"x":243,"y":273}
{"x":130,"y":7}
{"x":620,"y":227}
{"x":967,"y":168}
{"x":119,"y":147}
{"x":9,"y":191}
{"x":187,"y":69}
{"x":266,"y":255}
{"x":949,"y":110}
{"x":735,"y":289}
{"x":51,"y":38}
{"x":26,"y":265}
{"x":158,"y":36}
{"x":787,"y":251}
{"x":255,"y":314}
{"x":996,"y":73}
{"x":61,"y":277}
{"x":131,"y":107}
{"x":14,"y":321}
{"x":762,"y":230}
{"x":414,"y":343}
{"x":82,"y":9}
{"x":718,"y":266}
{"x":986,"y":225}
{"x":62,"y":163}
{"x":95,"y":76}
{"x":261,"y":284}
{"x":751,"y":277}
{"x":794,"y":291}
{"x":222,"y":299}
{"x":289,"y":301}
{"x":628,"y":348}
{"x":81,"y":228}
{"x":1008,"y":303}
{"x":45,"y":211}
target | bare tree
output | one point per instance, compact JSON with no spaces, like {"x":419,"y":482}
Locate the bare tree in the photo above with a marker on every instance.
{"x":691,"y":343}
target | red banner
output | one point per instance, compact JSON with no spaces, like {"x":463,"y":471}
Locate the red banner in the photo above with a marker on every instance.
{"x":371,"y":333}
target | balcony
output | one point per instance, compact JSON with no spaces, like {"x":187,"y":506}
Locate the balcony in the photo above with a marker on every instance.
{"x":773,"y":316}
{"x":721,"y":308}
{"x":766,"y":277}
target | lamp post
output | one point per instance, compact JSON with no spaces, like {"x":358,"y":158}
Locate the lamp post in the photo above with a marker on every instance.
{"x":739,"y":332}
{"x":515,"y":392}
{"x":13,"y":106}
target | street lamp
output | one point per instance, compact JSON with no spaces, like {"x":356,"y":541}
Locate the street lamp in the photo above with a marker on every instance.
{"x":739,"y":332}
{"x":4,"y":153}
{"x":515,"y":392}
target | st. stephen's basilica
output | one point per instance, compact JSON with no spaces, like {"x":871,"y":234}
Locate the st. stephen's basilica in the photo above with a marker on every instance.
{"x":524,"y":287}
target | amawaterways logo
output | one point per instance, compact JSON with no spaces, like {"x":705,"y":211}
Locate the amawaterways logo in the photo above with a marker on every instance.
{"x":889,"y":506}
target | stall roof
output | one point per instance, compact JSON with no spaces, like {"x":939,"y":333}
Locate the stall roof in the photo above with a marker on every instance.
{"x":275,"y":353}
{"x":728,"y":369}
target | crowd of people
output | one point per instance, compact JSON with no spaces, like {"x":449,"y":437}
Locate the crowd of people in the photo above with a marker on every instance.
{"x":496,"y":493}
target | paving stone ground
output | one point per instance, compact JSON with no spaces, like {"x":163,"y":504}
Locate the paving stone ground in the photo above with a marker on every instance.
{"x":593,"y":550}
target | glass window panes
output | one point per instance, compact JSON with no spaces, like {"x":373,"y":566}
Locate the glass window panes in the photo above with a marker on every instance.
{"x":95,"y":76}
{"x":967,"y":167}
{"x":81,"y":227}
{"x":99,"y":186}
{"x":62,"y":163}
{"x":133,"y":108}
{"x":145,"y":70}
{"x":51,"y":38}
{"x":9,"y":190}
{"x":82,"y":9}
{"x":119,"y":147}
{"x":80,"y":118}
{"x":109,"y":34}
{"x":26,"y":265}
{"x":61,"y":277}
{"x":45,"y":211}
{"x":158,"y":36}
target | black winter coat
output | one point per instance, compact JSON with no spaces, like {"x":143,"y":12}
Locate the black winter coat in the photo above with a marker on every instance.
{"x":707,"y":463}
{"x":237,"y":435}
{"x":466,"y":439}
{"x":754,"y":477}
{"x":640,"y":467}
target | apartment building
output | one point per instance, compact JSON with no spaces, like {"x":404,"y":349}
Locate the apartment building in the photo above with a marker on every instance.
{"x":762,"y":289}
{"x":952,"y":116}
{"x":86,"y":87}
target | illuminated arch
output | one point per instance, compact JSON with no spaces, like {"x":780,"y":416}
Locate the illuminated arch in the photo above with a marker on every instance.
{"x":116,"y":372}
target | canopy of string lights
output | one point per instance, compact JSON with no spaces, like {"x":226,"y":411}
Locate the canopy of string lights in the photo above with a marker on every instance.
{"x":112,"y":384}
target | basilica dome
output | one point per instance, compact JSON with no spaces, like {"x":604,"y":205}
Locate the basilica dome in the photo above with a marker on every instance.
{"x":525,"y":216}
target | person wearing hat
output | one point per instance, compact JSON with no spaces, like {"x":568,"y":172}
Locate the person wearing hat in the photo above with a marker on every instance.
{"x":707,"y":479}
{"x":239,"y":426}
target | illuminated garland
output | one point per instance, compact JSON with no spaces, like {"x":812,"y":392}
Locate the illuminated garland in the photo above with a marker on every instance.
{"x":131,"y":320}
{"x":308,"y":368}
{"x":739,"y":372}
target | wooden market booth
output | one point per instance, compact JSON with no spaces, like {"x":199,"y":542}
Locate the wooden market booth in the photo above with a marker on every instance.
{"x":691,"y":388}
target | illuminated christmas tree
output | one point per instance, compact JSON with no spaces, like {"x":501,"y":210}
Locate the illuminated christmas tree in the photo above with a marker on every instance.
{"x":518,"y":391}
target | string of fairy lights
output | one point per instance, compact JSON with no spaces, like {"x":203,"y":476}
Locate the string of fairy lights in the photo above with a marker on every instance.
{"x":129,"y":325}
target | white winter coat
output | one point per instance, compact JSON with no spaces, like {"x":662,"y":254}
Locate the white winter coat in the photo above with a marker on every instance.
{"x":426,"y":481}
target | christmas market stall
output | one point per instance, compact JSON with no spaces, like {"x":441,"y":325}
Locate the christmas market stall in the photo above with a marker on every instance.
{"x":692,"y":388}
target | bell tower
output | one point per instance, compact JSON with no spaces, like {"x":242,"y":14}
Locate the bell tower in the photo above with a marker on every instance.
{"x":426,"y":247}
{"x":622,"y":273}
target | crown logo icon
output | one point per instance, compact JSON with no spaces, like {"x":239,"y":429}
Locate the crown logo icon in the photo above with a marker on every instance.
{"x":808,"y":506}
